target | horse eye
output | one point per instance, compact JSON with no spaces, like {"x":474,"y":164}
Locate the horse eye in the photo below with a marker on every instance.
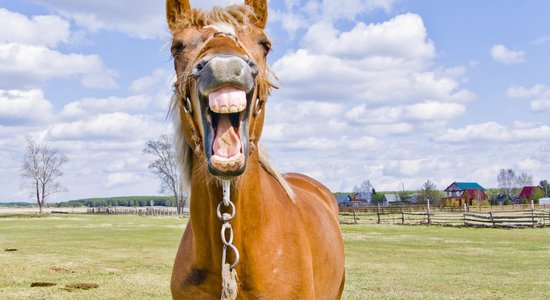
{"x":177,"y":48}
{"x":266,"y":45}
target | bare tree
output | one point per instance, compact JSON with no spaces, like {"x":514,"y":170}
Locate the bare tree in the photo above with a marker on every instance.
{"x":166,"y":168}
{"x":524,"y":179}
{"x":506,"y":181}
{"x":364,"y":190}
{"x":41,"y":168}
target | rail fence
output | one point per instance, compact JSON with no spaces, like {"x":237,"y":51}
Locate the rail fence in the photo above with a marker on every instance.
{"x":423,"y":215}
{"x":140,"y":211}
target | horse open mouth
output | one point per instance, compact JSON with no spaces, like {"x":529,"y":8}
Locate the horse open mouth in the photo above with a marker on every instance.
{"x":226,"y":131}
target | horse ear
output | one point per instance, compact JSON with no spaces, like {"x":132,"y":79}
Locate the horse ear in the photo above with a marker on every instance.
{"x":176,"y":9}
{"x":260,"y":9}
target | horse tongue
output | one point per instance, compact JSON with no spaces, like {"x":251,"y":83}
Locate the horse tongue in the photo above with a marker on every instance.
{"x":226,"y":141}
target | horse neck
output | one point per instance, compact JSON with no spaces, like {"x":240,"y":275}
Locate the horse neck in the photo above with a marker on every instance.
{"x":246,"y":194}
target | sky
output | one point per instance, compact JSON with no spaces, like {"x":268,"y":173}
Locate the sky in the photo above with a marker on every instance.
{"x":396,"y":92}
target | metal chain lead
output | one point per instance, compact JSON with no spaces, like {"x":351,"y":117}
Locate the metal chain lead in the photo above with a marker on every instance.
{"x":227,"y":230}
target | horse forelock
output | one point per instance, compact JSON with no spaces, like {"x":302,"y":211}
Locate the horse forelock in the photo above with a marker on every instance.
{"x":238,"y":16}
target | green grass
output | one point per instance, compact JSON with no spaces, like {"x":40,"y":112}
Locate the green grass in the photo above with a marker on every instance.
{"x":130,"y":257}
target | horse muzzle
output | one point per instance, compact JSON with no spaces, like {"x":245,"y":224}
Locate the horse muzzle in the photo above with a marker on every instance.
{"x":225,"y":88}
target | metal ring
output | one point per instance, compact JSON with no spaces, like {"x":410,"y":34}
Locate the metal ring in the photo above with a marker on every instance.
{"x":225,"y":227}
{"x":258,"y":107}
{"x":187,"y":107}
{"x":224,"y":255}
{"x":226,"y":216}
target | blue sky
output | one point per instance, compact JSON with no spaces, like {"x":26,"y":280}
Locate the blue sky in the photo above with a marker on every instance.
{"x":392,"y":91}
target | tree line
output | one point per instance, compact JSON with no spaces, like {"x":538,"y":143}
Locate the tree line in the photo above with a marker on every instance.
{"x":42,"y":168}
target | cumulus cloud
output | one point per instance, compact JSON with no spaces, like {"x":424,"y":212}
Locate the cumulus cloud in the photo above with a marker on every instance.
{"x":495,"y":132}
{"x":20,"y":107}
{"x":122,"y":178}
{"x":297,"y":15}
{"x":501,"y":54}
{"x":375,"y":63}
{"x":116,"y":125}
{"x":539,"y":95}
{"x":46,"y":31}
{"x":93,"y":106}
{"x":24,"y":66}
{"x":145,"y":20}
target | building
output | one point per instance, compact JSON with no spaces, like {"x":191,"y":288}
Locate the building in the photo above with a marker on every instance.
{"x":528,"y":193}
{"x":459,"y":193}
{"x":390,"y":199}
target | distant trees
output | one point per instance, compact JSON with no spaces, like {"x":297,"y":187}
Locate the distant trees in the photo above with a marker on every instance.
{"x":510,"y":184}
{"x":429,"y":191}
{"x":506,"y":181}
{"x":40,"y":170}
{"x":166,"y":168}
{"x":545,"y":187}
{"x":365,"y":190}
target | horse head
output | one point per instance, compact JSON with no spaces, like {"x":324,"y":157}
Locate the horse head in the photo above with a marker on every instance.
{"x":222,"y":81}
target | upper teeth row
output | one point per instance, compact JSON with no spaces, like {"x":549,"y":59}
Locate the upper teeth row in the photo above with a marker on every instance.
{"x":227,"y":110}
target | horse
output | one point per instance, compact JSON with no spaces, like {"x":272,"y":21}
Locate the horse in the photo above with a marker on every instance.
{"x":280,"y":236}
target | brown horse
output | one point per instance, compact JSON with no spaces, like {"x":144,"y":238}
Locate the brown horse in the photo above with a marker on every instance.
{"x":285,"y":227}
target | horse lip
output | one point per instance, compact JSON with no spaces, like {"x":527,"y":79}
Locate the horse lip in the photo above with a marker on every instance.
{"x":209,"y":133}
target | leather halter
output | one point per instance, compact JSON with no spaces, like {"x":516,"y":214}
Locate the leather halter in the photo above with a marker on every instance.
{"x":184,"y":100}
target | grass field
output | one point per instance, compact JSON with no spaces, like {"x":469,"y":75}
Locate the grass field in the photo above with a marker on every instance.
{"x":130,"y":257}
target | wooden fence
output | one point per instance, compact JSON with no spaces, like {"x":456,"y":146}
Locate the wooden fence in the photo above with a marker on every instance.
{"x":140,"y":211}
{"x":405,"y":215}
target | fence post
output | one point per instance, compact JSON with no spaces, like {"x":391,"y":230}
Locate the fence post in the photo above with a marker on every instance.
{"x":429,"y":213}
{"x":378,"y":212}
{"x":491,"y":216}
{"x":533,"y":212}
{"x":354,"y":218}
{"x":464,"y":214}
{"x":402,"y":217}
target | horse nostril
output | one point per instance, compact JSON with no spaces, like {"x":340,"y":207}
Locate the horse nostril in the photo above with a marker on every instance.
{"x":253,"y":67}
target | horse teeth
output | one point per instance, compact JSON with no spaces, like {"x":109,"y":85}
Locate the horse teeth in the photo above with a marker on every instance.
{"x":224,"y":110}
{"x":232,"y":164}
{"x":242,"y":107}
{"x":233,"y":109}
{"x":215,"y":108}
{"x":224,"y":165}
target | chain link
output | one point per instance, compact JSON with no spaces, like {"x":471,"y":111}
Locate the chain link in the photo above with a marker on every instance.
{"x":227,"y":230}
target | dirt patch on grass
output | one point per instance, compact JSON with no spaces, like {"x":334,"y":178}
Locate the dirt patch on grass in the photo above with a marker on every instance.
{"x":61,"y":270}
{"x":42,"y":284}
{"x":81,"y":286}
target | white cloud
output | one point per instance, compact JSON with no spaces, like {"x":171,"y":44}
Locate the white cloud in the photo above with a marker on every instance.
{"x":379,"y":40}
{"x":122,"y":178}
{"x":92,"y":106}
{"x":386,"y":62}
{"x":145,"y":19}
{"x":25,"y":66}
{"x":39,"y":30}
{"x":18,"y":107}
{"x":501,"y":54}
{"x":296,"y":15}
{"x":538,"y":94}
{"x":116,"y":125}
{"x":495,"y":132}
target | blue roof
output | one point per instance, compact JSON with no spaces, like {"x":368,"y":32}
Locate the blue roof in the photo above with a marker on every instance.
{"x":469,"y":185}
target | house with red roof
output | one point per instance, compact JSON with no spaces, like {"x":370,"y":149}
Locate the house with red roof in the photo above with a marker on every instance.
{"x":528,"y":193}
{"x":459,"y":193}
